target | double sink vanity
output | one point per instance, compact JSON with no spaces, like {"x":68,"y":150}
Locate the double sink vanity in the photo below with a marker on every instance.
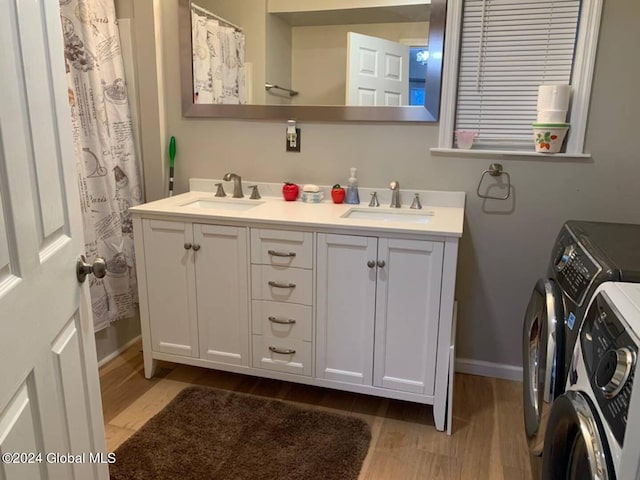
{"x":341,"y":296}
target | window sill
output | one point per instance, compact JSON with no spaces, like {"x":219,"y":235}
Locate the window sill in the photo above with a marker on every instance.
{"x":505,"y":153}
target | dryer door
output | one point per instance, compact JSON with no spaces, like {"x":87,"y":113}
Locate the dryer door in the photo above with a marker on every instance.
{"x":542,"y":358}
{"x":575,"y":446}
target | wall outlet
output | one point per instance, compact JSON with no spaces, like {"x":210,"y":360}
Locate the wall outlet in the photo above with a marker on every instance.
{"x":295,"y":148}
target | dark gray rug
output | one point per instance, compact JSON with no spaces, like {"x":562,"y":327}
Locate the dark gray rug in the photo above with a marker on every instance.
{"x":205,"y":433}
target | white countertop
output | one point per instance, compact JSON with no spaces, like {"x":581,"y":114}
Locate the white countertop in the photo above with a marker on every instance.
{"x":446,"y":209}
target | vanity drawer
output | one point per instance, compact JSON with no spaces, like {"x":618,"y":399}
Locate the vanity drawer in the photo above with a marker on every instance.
{"x":283,"y":248}
{"x":289,"y":356}
{"x":281,"y":284}
{"x":281,"y":320}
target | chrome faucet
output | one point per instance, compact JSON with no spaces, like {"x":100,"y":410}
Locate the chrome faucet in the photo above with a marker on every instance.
{"x":395,"y":194}
{"x":237,"y":184}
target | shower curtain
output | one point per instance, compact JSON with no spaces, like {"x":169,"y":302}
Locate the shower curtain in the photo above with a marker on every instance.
{"x":109,"y":176}
{"x":218,"y":62}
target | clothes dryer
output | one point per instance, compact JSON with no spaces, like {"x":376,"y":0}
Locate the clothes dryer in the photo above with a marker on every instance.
{"x":585,"y":255}
{"x":587,"y":430}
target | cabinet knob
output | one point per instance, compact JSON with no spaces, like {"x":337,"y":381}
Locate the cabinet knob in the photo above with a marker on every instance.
{"x":187,"y":246}
{"x":196,"y":247}
{"x":381,"y":263}
{"x":371,"y":264}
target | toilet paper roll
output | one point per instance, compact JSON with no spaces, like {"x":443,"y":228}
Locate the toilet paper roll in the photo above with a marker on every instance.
{"x":553,"y":97}
{"x":552,"y":116}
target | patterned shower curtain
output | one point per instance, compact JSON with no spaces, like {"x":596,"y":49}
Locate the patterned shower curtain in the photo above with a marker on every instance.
{"x":109,"y":174}
{"x":218,"y":62}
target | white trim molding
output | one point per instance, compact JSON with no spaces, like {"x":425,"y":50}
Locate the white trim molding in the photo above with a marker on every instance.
{"x":583,"y":67}
{"x":449,"y":91}
{"x":489,"y":369}
{"x":117,"y":352}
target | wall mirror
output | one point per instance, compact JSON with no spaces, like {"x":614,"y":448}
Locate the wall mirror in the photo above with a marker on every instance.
{"x":315,"y":60}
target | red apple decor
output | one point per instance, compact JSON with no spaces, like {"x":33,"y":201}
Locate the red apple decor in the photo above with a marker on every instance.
{"x":337,"y":193}
{"x":290,"y":191}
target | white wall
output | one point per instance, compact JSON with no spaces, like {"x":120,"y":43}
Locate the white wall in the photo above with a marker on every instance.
{"x":112,"y":339}
{"x":506,"y":245}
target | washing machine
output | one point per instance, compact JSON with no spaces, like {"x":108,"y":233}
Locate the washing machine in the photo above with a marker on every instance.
{"x":585,"y":255}
{"x":586,"y":435}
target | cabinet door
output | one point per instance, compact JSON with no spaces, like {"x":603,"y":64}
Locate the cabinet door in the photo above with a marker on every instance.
{"x":345,"y":308}
{"x":407,"y":310}
{"x":222,"y":265}
{"x":171,"y":288}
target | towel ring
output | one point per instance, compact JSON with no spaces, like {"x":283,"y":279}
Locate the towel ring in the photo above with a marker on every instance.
{"x":495,"y":170}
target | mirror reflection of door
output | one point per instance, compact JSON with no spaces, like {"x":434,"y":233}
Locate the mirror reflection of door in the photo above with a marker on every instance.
{"x":377,"y":71}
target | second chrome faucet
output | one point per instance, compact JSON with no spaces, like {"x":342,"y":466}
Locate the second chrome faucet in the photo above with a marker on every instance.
{"x":237,"y":184}
{"x":395,"y":194}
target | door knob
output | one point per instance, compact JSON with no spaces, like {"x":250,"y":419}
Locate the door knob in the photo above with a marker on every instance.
{"x":371,"y":264}
{"x":381,"y":263}
{"x":99,"y":268}
{"x":187,"y":246}
{"x":196,"y":247}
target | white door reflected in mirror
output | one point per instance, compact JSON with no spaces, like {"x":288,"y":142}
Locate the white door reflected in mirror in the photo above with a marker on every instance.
{"x":377,"y":71}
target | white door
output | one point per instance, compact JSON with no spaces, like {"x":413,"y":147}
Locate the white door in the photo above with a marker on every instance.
{"x":222,"y":279}
{"x":377,"y":71}
{"x":346,"y":300}
{"x":49,"y":389}
{"x":407,"y":313}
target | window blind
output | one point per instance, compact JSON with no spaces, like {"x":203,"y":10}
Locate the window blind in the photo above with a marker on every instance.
{"x":509,"y":48}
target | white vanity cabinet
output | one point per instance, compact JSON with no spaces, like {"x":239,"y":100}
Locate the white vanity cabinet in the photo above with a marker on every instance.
{"x":303,"y":293}
{"x":197,"y":291}
{"x":385,"y":292}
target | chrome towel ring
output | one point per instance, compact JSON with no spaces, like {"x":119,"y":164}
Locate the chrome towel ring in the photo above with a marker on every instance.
{"x":495,"y":170}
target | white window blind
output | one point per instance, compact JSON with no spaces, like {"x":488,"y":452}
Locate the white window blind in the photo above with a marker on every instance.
{"x":509,"y":48}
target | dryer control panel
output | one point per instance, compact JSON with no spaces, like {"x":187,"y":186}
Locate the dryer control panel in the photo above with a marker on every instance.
{"x":610,"y":355}
{"x":574,"y":268}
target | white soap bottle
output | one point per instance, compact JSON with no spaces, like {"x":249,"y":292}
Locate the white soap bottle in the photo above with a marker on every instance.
{"x":352,"y":195}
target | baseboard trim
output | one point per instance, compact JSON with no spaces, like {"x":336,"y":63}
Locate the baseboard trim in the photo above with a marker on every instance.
{"x":488,"y":369}
{"x":117,"y":352}
{"x":463,"y":365}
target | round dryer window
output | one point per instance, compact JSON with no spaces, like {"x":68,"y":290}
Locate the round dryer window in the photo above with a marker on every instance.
{"x":575,"y":446}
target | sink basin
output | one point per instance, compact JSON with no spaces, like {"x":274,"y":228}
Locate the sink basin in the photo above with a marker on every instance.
{"x":236,"y":205}
{"x":401,"y":216}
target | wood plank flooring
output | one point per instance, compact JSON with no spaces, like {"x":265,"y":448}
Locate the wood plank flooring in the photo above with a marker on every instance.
{"x":488,"y":440}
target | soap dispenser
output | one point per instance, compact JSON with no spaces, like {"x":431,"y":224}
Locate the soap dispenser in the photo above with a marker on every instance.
{"x":352,"y":189}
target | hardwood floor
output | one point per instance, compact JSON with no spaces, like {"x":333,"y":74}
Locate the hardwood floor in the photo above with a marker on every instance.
{"x":488,"y":439}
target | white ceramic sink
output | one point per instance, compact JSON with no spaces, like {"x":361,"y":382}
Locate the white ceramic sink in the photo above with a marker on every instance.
{"x":399,"y":215}
{"x":223,"y":204}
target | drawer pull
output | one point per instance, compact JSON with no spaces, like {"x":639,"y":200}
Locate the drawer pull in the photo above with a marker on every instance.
{"x":283,"y":351}
{"x":274,"y":253}
{"x":281,"y":285}
{"x":282,"y":321}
